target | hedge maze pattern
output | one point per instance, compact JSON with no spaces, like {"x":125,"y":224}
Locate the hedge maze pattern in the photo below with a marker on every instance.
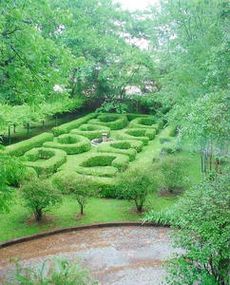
{"x":68,"y":148}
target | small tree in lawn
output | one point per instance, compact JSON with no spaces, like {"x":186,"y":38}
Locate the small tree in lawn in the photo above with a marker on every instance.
{"x":80,"y":187}
{"x":39,"y":195}
{"x":135,"y":185}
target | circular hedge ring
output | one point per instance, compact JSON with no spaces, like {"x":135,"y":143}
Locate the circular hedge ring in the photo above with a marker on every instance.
{"x":45,"y":161}
{"x":113,"y":121}
{"x":91,"y":131}
{"x":70,"y":143}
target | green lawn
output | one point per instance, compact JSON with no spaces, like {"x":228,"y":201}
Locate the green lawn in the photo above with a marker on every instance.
{"x":18,"y":222}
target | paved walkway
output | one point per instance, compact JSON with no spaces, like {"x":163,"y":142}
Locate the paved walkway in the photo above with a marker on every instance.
{"x":130,"y":255}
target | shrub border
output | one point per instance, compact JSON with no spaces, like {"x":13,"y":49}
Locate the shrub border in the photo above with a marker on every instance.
{"x":79,"y":228}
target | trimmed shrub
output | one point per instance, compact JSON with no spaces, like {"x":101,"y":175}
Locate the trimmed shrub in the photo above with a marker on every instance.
{"x":125,"y":136}
{"x":44,"y":160}
{"x":105,"y":186}
{"x":70,"y":143}
{"x":103,"y":165}
{"x":20,"y":148}
{"x":120,"y":147}
{"x":142,"y":133}
{"x":91,"y":131}
{"x":126,"y":144}
{"x":143,"y":122}
{"x":67,"y":127}
{"x":112,"y":121}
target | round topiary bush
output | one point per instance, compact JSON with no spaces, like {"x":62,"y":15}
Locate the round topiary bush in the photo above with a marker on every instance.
{"x":44,"y":160}
{"x":91,"y":131}
{"x":70,"y":143}
{"x":113,"y":121}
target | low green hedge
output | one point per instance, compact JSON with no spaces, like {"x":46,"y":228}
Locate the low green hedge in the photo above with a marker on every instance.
{"x":20,"y":148}
{"x":119,"y":147}
{"x":67,"y":127}
{"x":141,"y":132}
{"x":147,"y":122}
{"x":99,"y":171}
{"x":105,"y":185}
{"x":45,"y":161}
{"x":70,"y":143}
{"x":112,"y":121}
{"x":116,"y":160}
{"x":91,"y":131}
{"x":126,"y":144}
{"x":125,"y":136}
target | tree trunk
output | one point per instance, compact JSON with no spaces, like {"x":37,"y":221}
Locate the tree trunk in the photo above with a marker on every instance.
{"x":38,"y":215}
{"x":82,"y":209}
{"x":9,"y":135}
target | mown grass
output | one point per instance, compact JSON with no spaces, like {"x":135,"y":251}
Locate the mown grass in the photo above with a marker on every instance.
{"x":19,"y":221}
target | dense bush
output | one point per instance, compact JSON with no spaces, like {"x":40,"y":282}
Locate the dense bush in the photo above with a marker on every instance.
{"x":20,"y":148}
{"x":39,"y":195}
{"x":70,"y":143}
{"x":91,"y":131}
{"x":44,"y":160}
{"x":203,"y":216}
{"x":55,"y":272}
{"x":67,"y":127}
{"x":135,"y":185}
{"x":172,"y":174}
{"x":120,"y":148}
{"x":112,"y":121}
{"x":11,"y":172}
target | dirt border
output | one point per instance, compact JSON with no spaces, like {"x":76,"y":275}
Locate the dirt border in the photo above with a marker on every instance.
{"x":77,"y":228}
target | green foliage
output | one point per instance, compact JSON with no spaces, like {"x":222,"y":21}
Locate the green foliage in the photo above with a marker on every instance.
{"x":67,"y":127}
{"x":45,"y":161}
{"x":91,"y":131}
{"x":172,"y":174}
{"x":20,"y":148}
{"x":135,"y":185}
{"x":80,"y":187}
{"x":70,"y":143}
{"x":126,"y":144}
{"x":112,"y":121}
{"x":55,"y":272}
{"x":11,"y":172}
{"x":203,"y":217}
{"x":120,"y":147}
{"x":111,"y":106}
{"x":138,"y":132}
{"x":125,"y":136}
{"x":39,"y":195}
{"x":118,"y":161}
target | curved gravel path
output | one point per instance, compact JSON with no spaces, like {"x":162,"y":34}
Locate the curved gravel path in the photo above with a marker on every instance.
{"x":128,"y":255}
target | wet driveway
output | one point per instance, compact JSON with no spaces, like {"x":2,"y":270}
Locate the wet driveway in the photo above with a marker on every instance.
{"x":128,"y":255}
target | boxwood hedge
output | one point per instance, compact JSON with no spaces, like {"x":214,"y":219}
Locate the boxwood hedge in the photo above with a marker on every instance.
{"x":116,"y":160}
{"x":91,"y":131}
{"x":119,"y":147}
{"x":20,"y":148}
{"x":70,"y":143}
{"x":113,"y":121}
{"x":67,"y":127}
{"x":147,"y":122}
{"x":45,"y":161}
{"x":140,"y":132}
